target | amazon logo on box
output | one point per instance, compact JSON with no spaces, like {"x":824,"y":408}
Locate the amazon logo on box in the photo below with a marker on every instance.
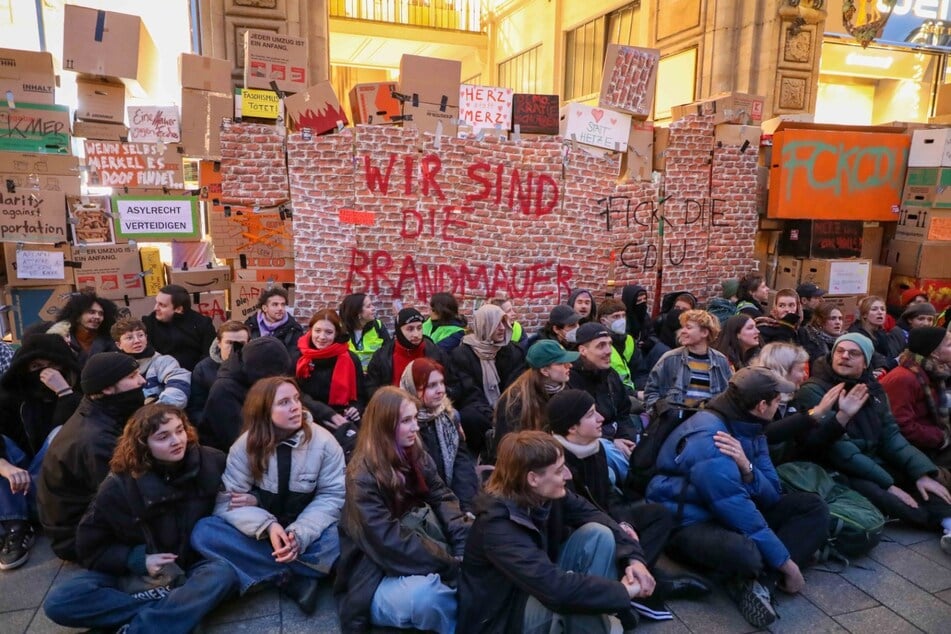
{"x":198,"y":280}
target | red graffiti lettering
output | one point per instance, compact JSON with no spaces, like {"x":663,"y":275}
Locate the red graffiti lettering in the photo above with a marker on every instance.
{"x":438,"y":223}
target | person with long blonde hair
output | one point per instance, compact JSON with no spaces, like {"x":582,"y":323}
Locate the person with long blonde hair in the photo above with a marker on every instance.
{"x":277,"y":521}
{"x":134,"y":537}
{"x":402,"y":532}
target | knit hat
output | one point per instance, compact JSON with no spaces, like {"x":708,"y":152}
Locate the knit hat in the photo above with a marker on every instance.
{"x":730,"y":288}
{"x":104,"y":369}
{"x":566,"y":408}
{"x":546,"y":352}
{"x":591,"y":331}
{"x":409,"y":316}
{"x":863,"y":342}
{"x":926,"y":339}
{"x":760,"y":383}
{"x":911,"y":294}
{"x":917,"y":310}
{"x":563,"y":315}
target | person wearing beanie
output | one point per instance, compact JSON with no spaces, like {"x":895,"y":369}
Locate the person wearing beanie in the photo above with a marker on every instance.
{"x":914,"y":296}
{"x":714,"y":472}
{"x":871,"y":454}
{"x":522,"y":405}
{"x":77,"y":459}
{"x":581,"y":300}
{"x":576,"y":424}
{"x":639,"y":323}
{"x":388,"y":363}
{"x":917,"y":314}
{"x":38,"y":393}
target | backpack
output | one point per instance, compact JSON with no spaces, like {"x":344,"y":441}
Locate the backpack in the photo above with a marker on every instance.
{"x":855,"y":525}
{"x":721,"y":308}
{"x":665,"y":418}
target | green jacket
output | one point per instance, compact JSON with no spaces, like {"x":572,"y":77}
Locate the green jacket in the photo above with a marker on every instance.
{"x":872,"y":446}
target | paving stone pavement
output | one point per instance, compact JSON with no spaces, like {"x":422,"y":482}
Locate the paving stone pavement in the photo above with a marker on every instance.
{"x":903,"y":586}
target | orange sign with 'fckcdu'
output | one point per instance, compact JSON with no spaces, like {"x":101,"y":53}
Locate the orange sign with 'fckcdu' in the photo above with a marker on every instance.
{"x":837,"y":173}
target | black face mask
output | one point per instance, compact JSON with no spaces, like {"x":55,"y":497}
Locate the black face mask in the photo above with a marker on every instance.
{"x":791,"y":318}
{"x":123,"y":404}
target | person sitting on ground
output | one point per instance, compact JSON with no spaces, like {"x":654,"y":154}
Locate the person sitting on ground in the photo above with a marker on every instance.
{"x":917,"y":315}
{"x":818,"y":336}
{"x":637,"y":313}
{"x":581,"y":300}
{"x":445,"y":326}
{"x":485,"y":365}
{"x":575,"y":422}
{"x":402,"y":532}
{"x":918,"y":394}
{"x":724,"y":306}
{"x":694,"y":372}
{"x":810,"y":298}
{"x":90,"y":320}
{"x":715,"y":473}
{"x":77,"y":459}
{"x":273,"y":320}
{"x":560,"y":327}
{"x":674,"y":301}
{"x":366,"y":333}
{"x":387,"y":365}
{"x":739,"y":341}
{"x":540,"y":558}
{"x":870,"y":454}
{"x":752,"y":295}
{"x":782,"y":323}
{"x":165,"y":380}
{"x":175,"y":329}
{"x":522,"y":406}
{"x":231,"y":335}
{"x":612,"y":315}
{"x":503,"y":302}
{"x":284,"y":488}
{"x":870,"y":324}
{"x":440,"y":429}
{"x":38,"y":393}
{"x":133,"y":540}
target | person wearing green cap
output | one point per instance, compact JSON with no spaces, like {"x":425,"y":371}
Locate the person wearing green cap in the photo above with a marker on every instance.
{"x":871,"y":454}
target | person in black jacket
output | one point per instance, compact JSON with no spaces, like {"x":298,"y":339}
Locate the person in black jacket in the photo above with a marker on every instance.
{"x":88,"y":318}
{"x":387,"y":365}
{"x":38,"y":393}
{"x":77,"y":460}
{"x":538,"y":552}
{"x":401,"y":531}
{"x":273,"y":320}
{"x":134,"y":537}
{"x":177,"y":330}
{"x":231,"y":335}
{"x":485,"y":364}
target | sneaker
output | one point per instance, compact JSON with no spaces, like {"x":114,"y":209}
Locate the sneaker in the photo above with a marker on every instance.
{"x":16,"y":545}
{"x":652,"y":608}
{"x":946,"y":543}
{"x":754,"y":601}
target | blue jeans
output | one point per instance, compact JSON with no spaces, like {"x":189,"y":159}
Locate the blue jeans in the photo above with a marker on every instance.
{"x":251,"y":558}
{"x":92,"y":599}
{"x":422,"y":602}
{"x":589,"y":551}
{"x":618,"y":465}
{"x":19,"y":506}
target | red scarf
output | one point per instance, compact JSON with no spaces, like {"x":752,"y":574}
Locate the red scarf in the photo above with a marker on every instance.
{"x":403,"y":356}
{"x":343,"y":382}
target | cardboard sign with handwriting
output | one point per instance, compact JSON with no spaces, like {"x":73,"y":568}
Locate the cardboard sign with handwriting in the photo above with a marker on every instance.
{"x":134,"y":165}
{"x":154,"y":124}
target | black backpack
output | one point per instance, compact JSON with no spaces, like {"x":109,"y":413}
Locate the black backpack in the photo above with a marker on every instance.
{"x":665,"y":418}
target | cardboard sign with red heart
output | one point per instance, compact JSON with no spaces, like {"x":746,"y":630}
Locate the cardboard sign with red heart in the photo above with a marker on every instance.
{"x":599,"y":127}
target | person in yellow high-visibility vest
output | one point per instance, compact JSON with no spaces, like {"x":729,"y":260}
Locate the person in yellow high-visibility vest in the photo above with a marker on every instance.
{"x":366,"y":333}
{"x":613,"y":316}
{"x":445,"y":326}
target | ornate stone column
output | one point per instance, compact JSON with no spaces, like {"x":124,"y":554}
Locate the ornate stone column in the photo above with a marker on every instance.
{"x":800,"y":44}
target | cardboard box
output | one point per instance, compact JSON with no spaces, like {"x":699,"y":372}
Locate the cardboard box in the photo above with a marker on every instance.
{"x":431,"y":87}
{"x":485,"y":107}
{"x":873,"y":237}
{"x":114,"y":271}
{"x":212,"y":304}
{"x":938,"y":290}
{"x":135,"y":308}
{"x":316,"y":108}
{"x":927,"y":185}
{"x":201,"y":127}
{"x":34,"y":128}
{"x":275,"y":270}
{"x":375,"y":104}
{"x":788,"y":272}
{"x":100,"y":131}
{"x":598,"y":127}
{"x":100,"y":100}
{"x":878,"y":280}
{"x":244,"y":297}
{"x":639,"y":160}
{"x":272,"y":59}
{"x":848,"y":304}
{"x":930,"y":148}
{"x":821,"y":238}
{"x":153,"y":271}
{"x":535,"y":114}
{"x":38,"y":204}
{"x":746,"y":137}
{"x":110,"y":44}
{"x":200,"y":72}
{"x":31,"y":305}
{"x":727,"y":107}
{"x":39,"y":164}
{"x":38,"y":264}
{"x":629,"y":80}
{"x":661,"y":141}
{"x":923,"y":223}
{"x":917,"y":259}
{"x":28,"y":75}
{"x":257,"y":104}
{"x":90,"y":218}
{"x":838,"y":277}
{"x":943,"y":101}
{"x":201,"y":279}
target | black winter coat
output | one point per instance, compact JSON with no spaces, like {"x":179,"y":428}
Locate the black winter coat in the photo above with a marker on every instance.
{"x":610,"y":398}
{"x":884,"y":356}
{"x":380,"y":368}
{"x":509,"y":362}
{"x":512,"y":554}
{"x":187,"y":337}
{"x":288,"y":333}
{"x":373,"y":545}
{"x":154,"y":513}
{"x":465,"y":481}
{"x":317,"y":385}
{"x":203,"y":377}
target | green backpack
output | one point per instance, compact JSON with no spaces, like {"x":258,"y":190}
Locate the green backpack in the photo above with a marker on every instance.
{"x":855,"y":525}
